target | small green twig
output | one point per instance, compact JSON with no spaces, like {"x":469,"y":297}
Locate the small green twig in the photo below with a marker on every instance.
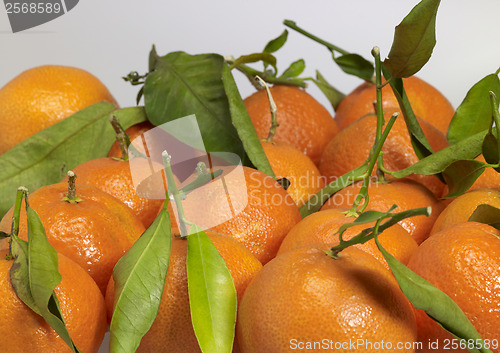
{"x":251,"y":73}
{"x":379,"y":108}
{"x":22,"y":192}
{"x":376,"y":150}
{"x":176,"y":195}
{"x":332,"y":47}
{"x":121,"y":137}
{"x":272,"y":108}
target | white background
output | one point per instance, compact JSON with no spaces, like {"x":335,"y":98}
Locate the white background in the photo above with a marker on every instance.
{"x":112,"y":38}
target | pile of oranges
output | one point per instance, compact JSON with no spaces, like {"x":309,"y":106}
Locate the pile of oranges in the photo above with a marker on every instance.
{"x":293,"y":295}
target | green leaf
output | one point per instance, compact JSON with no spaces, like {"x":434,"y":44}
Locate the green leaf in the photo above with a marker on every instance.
{"x":294,"y":70}
{"x":333,"y":95}
{"x":275,"y":44}
{"x":460,"y":176}
{"x":486,"y":214}
{"x":243,"y":124}
{"x":354,"y":64}
{"x":267,"y":58}
{"x":19,"y":274}
{"x":414,"y":40}
{"x":183,"y":85}
{"x":46,"y":157}
{"x":44,"y":276}
{"x":153,"y":60}
{"x":469,"y":148}
{"x":474,"y":113}
{"x":490,"y":150}
{"x":317,"y":200}
{"x":139,"y":281}
{"x":212,"y":296}
{"x":419,"y":142}
{"x":423,"y":295}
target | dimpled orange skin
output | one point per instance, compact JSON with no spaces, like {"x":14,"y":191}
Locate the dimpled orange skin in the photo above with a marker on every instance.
{"x":42,"y":96}
{"x":267,"y":211}
{"x":82,"y":306}
{"x":304,"y":122}
{"x":461,"y":208}
{"x":464,"y":262}
{"x":288,"y":162}
{"x":320,"y":228}
{"x":172,"y":329}
{"x":427,"y":103}
{"x":351,"y":147}
{"x":404,"y":193}
{"x":94,"y":233}
{"x":114,"y":177}
{"x":305,"y":295}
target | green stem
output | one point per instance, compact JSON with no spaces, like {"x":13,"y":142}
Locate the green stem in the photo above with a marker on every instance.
{"x":379,"y":108}
{"x":376,"y":150}
{"x":16,"y":216}
{"x":71,"y":195}
{"x":272,"y":108}
{"x":174,"y":191}
{"x":121,"y":137}
{"x":332,"y":47}
{"x":252,"y":73}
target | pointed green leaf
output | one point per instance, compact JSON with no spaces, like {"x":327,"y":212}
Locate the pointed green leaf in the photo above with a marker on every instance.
{"x":183,"y":85}
{"x":139,"y":281}
{"x":474,"y":113}
{"x":460,"y":176}
{"x":419,"y":142}
{"x":212,"y":296}
{"x":469,"y":148}
{"x":486,"y":214}
{"x":46,"y":157}
{"x":276,"y":43}
{"x":439,"y":306}
{"x":44,"y":276}
{"x":490,"y":150}
{"x":354,"y":64}
{"x":295,"y":69}
{"x":333,"y":95}
{"x":266,"y":58}
{"x":243,"y":124}
{"x":154,"y":58}
{"x":414,"y":40}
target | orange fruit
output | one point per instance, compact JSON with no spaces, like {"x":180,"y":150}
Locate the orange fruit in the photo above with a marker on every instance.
{"x":250,"y":206}
{"x":404,"y":193}
{"x":306,"y":301}
{"x":489,"y":179}
{"x":463,"y":261}
{"x":132,"y":132}
{"x":351,"y":147}
{"x":427,"y":102}
{"x":114,"y":177}
{"x":461,"y":208}
{"x":172,"y":328}
{"x":82,"y":306}
{"x":94,"y":232}
{"x":42,"y":96}
{"x":320,"y":227}
{"x":288,"y":162}
{"x":304,"y":122}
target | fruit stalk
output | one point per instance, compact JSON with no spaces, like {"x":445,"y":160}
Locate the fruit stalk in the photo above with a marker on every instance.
{"x":121,"y":137}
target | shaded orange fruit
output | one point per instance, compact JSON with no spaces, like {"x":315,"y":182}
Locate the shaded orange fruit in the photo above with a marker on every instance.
{"x":132,"y":132}
{"x":42,"y":96}
{"x":247,"y":205}
{"x":288,"y":162}
{"x":489,"y":179}
{"x":320,"y":227}
{"x":81,"y":303}
{"x":114,"y":177}
{"x":304,"y":122}
{"x":464,"y":262}
{"x":426,"y":101}
{"x":172,"y":328}
{"x":404,"y":193}
{"x":304,"y":297}
{"x":95,"y":232}
{"x":351,"y":147}
{"x":461,"y":208}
